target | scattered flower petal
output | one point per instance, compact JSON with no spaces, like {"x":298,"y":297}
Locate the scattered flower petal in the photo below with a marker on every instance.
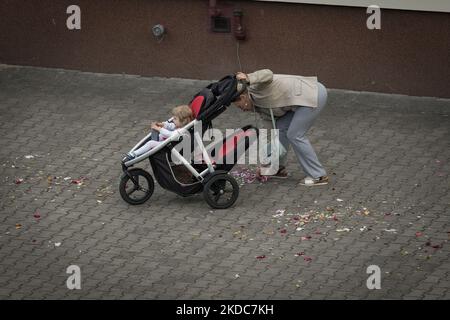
{"x":263,"y":178}
{"x":279,"y":213}
{"x":79,"y":181}
{"x":246,"y":176}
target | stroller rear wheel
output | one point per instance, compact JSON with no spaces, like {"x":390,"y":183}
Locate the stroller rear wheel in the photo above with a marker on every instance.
{"x":221,"y":191}
{"x":137,"y":186}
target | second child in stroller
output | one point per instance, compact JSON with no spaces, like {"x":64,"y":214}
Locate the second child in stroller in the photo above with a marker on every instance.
{"x":182,"y":115}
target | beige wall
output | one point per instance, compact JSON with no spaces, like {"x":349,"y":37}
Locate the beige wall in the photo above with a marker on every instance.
{"x":421,"y":5}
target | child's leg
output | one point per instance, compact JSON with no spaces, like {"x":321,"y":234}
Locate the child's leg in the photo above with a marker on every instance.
{"x":146,"y":147}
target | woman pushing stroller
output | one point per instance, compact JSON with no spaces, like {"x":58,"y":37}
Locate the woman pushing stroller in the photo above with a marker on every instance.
{"x":290,"y":104}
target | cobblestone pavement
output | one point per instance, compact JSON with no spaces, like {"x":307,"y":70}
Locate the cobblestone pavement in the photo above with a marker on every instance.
{"x":63,"y":134}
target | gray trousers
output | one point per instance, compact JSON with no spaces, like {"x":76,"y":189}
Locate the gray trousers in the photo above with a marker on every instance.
{"x":293,"y":127}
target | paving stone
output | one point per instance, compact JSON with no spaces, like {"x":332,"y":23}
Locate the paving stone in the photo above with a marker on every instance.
{"x":387,"y":155}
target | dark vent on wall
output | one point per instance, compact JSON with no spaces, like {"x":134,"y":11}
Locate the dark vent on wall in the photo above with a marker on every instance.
{"x":220,"y":24}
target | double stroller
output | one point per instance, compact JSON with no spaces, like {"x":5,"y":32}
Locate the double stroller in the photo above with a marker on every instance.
{"x":209,"y":175}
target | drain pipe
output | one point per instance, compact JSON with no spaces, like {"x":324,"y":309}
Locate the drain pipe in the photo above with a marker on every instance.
{"x":213,"y":11}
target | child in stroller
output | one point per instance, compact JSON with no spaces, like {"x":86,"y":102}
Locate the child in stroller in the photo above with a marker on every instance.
{"x":220,"y":190}
{"x":182,"y":115}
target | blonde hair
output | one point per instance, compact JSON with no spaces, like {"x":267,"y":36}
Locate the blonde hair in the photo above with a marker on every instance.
{"x":183,"y":113}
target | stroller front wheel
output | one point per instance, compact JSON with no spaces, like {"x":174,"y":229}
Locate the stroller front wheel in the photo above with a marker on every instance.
{"x":137,"y":186}
{"x":221,"y":191}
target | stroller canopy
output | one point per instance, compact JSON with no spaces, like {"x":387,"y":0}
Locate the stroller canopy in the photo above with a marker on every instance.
{"x":214,"y":99}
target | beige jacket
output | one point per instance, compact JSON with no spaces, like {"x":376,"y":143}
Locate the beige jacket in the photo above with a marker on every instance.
{"x":281,"y":92}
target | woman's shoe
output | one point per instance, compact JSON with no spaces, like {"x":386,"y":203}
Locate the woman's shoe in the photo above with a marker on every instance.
{"x":309,"y":182}
{"x":281,"y":173}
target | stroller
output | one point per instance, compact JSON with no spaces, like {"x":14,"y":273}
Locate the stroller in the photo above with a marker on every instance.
{"x":209,"y":176}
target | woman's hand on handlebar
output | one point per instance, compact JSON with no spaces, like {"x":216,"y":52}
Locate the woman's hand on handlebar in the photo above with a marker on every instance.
{"x":242,"y":76}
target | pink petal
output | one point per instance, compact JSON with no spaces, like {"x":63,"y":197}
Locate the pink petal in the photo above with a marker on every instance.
{"x":262,"y":178}
{"x":79,"y":181}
